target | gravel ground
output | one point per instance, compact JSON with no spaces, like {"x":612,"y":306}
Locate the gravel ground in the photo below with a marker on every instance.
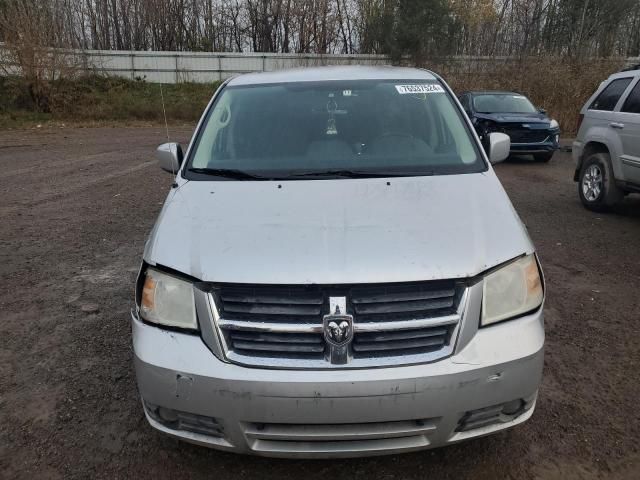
{"x":76,"y":207}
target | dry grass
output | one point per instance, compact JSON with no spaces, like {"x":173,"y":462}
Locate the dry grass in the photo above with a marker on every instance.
{"x":104,"y":100}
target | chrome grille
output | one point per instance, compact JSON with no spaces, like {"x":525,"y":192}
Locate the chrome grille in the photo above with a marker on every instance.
{"x":282,"y":326}
{"x":271,"y":303}
{"x":421,"y":339}
{"x":402,"y":302}
{"x":286,"y":343}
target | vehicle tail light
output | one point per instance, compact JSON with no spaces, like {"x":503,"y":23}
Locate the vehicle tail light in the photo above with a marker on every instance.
{"x":580,"y":118}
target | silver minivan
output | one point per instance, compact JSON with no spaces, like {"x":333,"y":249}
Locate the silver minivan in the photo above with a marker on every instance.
{"x":337,"y":271}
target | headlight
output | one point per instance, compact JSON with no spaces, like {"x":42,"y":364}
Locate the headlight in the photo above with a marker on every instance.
{"x":554,"y":124}
{"x":511,"y":291}
{"x":167,"y":300}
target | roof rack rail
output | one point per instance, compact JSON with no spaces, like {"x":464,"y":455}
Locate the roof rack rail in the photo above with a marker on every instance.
{"x":631,"y":68}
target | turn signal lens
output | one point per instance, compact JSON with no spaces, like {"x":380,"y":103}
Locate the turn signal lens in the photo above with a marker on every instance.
{"x":148,"y":292}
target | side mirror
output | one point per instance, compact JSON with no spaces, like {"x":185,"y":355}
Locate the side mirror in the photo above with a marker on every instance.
{"x":169,"y":157}
{"x":542,"y":111}
{"x":499,"y":147}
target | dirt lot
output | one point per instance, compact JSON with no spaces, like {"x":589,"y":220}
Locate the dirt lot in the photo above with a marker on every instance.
{"x":76,"y":208}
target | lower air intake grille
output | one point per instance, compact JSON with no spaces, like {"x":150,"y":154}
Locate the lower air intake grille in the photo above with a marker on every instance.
{"x":335,"y":439}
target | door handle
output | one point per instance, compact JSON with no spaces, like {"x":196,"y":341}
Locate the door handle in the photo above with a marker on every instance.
{"x":617,"y":125}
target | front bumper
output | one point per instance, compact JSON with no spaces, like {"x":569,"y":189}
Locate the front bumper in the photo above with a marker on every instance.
{"x":329,"y":413}
{"x":550,"y":145}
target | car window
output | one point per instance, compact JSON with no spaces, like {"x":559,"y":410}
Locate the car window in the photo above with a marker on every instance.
{"x":503,"y":103}
{"x":608,"y":98}
{"x":632,"y":104}
{"x":377,"y":127}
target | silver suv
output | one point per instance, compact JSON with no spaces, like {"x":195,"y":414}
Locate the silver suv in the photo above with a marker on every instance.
{"x":607,"y":149}
{"x":337,"y":271}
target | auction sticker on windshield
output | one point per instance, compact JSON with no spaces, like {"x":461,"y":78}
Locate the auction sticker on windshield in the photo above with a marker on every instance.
{"x":424,"y":88}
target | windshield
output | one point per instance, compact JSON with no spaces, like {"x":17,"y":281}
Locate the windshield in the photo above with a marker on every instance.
{"x":355,"y":128}
{"x":503,"y":103}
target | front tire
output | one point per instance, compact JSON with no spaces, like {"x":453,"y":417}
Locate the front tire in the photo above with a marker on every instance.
{"x":543,"y":157}
{"x":596,"y":187}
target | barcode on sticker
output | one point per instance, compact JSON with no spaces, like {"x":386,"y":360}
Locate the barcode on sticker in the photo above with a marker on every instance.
{"x":424,"y":88}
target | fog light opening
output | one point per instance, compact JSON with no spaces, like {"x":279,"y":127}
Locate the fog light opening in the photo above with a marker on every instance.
{"x":185,"y":421}
{"x":167,"y":415}
{"x":516,"y":407}
{"x":494,"y":415}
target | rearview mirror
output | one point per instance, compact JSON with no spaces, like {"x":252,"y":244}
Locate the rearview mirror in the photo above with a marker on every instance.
{"x":169,"y":157}
{"x":499,"y":146}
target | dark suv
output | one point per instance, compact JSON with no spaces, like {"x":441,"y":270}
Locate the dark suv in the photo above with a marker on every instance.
{"x":530,"y":129}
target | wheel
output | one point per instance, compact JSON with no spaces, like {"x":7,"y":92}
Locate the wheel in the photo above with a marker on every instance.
{"x":543,"y":157}
{"x":597,"y":188}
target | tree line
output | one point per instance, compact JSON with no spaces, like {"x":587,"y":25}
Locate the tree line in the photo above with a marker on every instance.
{"x":420,"y":29}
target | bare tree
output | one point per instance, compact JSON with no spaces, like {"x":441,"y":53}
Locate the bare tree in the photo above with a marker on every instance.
{"x":452,"y":27}
{"x":33,"y":34}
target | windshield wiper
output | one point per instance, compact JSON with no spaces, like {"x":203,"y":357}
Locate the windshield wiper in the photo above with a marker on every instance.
{"x":227,"y":173}
{"x":338,"y":173}
{"x":359,"y":174}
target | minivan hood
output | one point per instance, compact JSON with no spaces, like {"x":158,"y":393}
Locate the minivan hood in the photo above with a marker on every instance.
{"x":337,"y":231}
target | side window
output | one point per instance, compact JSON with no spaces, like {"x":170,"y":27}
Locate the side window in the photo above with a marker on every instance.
{"x":632,"y":105}
{"x":609,"y":97}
